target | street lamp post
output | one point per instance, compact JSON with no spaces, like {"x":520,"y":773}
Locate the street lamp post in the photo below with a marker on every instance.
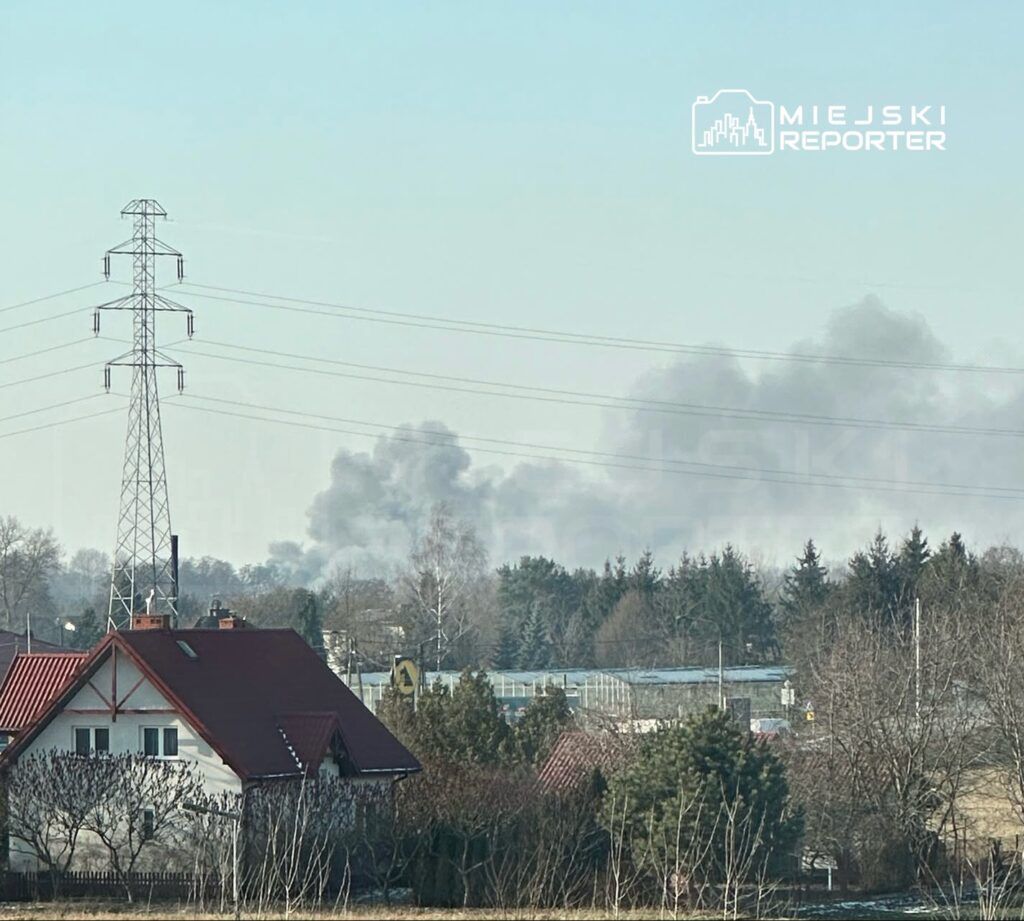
{"x":721,"y":667}
{"x":236,"y":821}
{"x":64,"y":626}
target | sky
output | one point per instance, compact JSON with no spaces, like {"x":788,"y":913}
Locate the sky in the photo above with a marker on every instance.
{"x":523,"y":164}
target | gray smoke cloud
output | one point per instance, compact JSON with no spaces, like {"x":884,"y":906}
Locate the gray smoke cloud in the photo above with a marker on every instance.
{"x":377,"y":502}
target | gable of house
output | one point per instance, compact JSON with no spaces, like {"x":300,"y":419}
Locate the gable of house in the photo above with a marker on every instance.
{"x":257,"y":702}
{"x":88,"y":705}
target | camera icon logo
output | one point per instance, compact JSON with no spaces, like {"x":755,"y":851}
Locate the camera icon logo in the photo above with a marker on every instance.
{"x":732,"y":123}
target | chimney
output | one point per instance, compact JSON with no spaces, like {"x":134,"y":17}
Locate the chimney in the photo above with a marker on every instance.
{"x":232,"y":622}
{"x":174,"y":570}
{"x":150,"y":618}
{"x":151,"y":621}
{"x":226,"y":618}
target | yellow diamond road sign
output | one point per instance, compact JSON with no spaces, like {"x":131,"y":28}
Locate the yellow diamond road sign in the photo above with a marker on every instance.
{"x":405,"y":676}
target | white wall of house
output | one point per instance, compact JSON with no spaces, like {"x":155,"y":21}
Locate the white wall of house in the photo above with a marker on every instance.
{"x":126,"y":732}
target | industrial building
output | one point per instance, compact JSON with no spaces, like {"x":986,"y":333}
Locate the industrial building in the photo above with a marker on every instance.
{"x":618,"y":694}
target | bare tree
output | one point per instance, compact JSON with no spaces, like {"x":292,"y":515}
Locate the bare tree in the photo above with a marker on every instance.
{"x":142,"y":807}
{"x":901,"y":733}
{"x":88,"y":572}
{"x":299,"y":838}
{"x":27,"y":558}
{"x":1000,"y":681}
{"x":48,"y":799}
{"x":56,"y":801}
{"x":445,"y":567}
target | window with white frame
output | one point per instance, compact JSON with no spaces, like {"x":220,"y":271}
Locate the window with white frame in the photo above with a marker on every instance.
{"x":148,"y":823}
{"x":160,"y":742}
{"x":90,"y":739}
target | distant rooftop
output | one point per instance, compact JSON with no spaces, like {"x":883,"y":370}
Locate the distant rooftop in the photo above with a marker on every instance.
{"x":736,"y":674}
{"x":13,"y":643}
{"x":31,"y":682}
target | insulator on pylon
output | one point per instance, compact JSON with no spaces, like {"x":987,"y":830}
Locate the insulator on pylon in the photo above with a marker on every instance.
{"x":96,"y":322}
{"x":181,"y":268}
{"x":181,"y":380}
{"x":106,"y":266}
{"x":191,"y":325}
{"x":106,"y":378}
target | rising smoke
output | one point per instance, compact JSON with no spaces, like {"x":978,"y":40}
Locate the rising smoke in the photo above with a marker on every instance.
{"x":377,"y":502}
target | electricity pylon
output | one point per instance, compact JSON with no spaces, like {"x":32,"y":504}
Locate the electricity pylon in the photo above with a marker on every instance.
{"x":142,"y":576}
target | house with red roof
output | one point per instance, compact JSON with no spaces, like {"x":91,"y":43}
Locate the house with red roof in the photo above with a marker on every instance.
{"x":577,"y":754}
{"x":30,"y":683}
{"x":13,"y":644}
{"x":244,"y":706}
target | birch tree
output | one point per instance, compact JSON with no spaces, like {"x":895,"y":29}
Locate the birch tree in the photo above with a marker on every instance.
{"x":445,"y":569}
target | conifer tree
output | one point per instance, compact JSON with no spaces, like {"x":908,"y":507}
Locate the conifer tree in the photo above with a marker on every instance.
{"x":89,"y":630}
{"x":310,"y":624}
{"x":506,"y":650}
{"x":645,"y":577}
{"x":806,"y":584}
{"x":546,"y":717}
{"x":913,"y":557}
{"x":874,"y":586}
{"x":704,"y":797}
{"x":477,"y":731}
{"x":534,"y":646}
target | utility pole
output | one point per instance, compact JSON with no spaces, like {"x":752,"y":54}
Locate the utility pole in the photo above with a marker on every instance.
{"x":142,"y":560}
{"x":917,"y":660}
{"x":721,"y":674}
{"x":721,"y":659}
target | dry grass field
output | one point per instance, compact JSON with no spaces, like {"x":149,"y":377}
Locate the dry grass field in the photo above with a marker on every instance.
{"x":73,"y":911}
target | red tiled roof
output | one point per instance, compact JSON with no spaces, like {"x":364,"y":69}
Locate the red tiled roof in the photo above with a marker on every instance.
{"x":13,"y":643}
{"x":309,"y":735}
{"x":577,"y":753}
{"x":32,"y":681}
{"x":243,"y":691}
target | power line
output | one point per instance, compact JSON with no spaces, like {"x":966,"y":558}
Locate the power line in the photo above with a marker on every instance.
{"x":605,"y":464}
{"x":43,"y":409}
{"x":52,"y":348}
{"x":59,"y":422}
{"x":427,"y":321}
{"x":597,"y":400}
{"x":56,"y":316}
{"x":451,"y":437}
{"x":42,"y":377}
{"x":50,"y":297}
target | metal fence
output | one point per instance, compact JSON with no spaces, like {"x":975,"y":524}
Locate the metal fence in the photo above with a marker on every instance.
{"x":25,"y":887}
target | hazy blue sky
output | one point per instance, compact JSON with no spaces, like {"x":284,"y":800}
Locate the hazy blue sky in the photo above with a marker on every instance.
{"x":520,"y":163}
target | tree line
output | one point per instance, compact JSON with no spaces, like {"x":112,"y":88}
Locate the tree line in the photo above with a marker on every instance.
{"x":448,"y":607}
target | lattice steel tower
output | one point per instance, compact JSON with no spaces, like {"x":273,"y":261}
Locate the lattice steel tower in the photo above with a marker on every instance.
{"x":142,"y":577}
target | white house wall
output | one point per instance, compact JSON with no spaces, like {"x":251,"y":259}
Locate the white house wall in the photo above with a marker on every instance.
{"x":126,"y":728}
{"x":126,"y":732}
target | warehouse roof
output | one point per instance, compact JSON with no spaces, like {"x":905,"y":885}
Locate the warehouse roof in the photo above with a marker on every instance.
{"x":736,"y":674}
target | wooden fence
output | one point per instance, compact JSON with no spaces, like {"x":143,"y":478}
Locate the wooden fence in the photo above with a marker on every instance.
{"x":23,"y":887}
